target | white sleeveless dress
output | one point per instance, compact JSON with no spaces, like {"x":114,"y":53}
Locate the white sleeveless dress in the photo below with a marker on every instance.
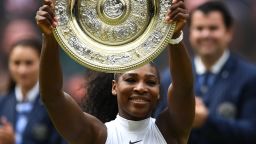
{"x":123,"y":131}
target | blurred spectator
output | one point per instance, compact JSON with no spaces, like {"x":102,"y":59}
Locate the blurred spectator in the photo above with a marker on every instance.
{"x":76,"y":86}
{"x":14,"y":31}
{"x":22,"y":107}
{"x":224,"y":83}
{"x":17,"y":30}
{"x":20,"y":8}
{"x":242,"y":11}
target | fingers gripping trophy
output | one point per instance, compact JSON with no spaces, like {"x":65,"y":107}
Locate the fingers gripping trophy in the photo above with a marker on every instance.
{"x":112,"y":35}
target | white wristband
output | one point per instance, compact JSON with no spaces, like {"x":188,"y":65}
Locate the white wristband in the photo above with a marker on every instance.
{"x":177,"y":40}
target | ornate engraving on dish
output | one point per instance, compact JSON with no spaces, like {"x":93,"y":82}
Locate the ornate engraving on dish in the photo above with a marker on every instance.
{"x":113,"y":59}
{"x":110,"y":30}
{"x":116,"y":37}
{"x":61,"y":12}
{"x":113,"y":8}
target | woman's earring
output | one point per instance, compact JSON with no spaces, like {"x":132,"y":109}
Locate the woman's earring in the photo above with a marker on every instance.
{"x":113,"y":92}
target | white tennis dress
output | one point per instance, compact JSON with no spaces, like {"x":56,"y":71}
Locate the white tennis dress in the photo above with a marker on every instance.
{"x":123,"y":131}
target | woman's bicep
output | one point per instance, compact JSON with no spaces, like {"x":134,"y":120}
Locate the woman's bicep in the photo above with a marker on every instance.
{"x":178,"y":116}
{"x":181,"y":108}
{"x":72,"y":123}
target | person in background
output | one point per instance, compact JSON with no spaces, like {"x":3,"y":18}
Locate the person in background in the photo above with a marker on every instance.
{"x":17,"y":30}
{"x":14,"y":31}
{"x":22,"y":108}
{"x":225,"y":83}
{"x":14,"y":9}
{"x":76,"y":86}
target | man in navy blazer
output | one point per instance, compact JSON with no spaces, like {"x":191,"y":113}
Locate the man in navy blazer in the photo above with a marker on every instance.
{"x":225,"y":85}
{"x":39,"y":129}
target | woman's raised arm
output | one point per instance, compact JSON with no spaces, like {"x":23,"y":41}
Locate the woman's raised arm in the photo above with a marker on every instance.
{"x":181,"y":104}
{"x":75,"y":126}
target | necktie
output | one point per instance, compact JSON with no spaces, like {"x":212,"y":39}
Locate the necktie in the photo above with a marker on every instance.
{"x":204,"y":82}
{"x":23,"y":110}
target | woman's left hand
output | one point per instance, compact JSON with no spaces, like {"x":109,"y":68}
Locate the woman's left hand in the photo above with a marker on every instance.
{"x":178,"y":13}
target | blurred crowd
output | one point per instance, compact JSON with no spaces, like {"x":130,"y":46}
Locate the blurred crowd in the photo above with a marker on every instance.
{"x":23,"y":118}
{"x":17,"y":23}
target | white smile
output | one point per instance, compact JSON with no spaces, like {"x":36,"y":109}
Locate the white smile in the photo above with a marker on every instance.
{"x":139,"y":100}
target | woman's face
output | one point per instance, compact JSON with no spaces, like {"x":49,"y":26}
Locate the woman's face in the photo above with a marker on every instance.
{"x":24,"y":66}
{"x":137,"y":92}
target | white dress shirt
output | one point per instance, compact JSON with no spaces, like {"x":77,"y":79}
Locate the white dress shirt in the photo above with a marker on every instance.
{"x":23,"y":108}
{"x":215,"y":69}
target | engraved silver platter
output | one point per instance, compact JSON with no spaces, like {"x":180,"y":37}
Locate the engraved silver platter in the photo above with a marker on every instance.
{"x":113,"y":35}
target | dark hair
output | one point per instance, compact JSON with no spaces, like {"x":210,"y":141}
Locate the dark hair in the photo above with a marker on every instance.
{"x":35,"y":44}
{"x":100,"y":101}
{"x":211,"y":6}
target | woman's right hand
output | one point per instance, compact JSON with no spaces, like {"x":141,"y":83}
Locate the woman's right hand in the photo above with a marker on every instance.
{"x":45,"y":17}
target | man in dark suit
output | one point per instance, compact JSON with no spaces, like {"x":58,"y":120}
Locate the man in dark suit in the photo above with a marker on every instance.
{"x":225,"y":85}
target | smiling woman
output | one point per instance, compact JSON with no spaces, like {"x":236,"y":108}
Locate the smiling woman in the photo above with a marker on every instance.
{"x":101,"y":99}
{"x":23,"y":63}
{"x":134,"y":94}
{"x":137,"y":92}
